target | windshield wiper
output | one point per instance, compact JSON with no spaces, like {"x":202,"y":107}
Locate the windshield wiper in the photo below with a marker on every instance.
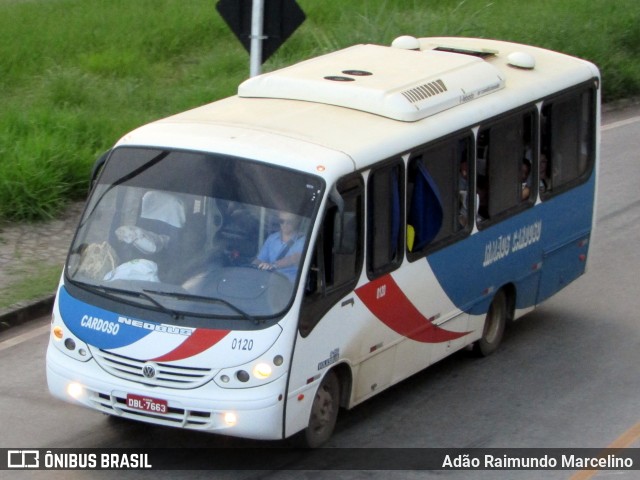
{"x":133,"y":293}
{"x":202,"y":298}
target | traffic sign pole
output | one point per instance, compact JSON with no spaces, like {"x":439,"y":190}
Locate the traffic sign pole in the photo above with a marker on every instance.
{"x":257,"y":36}
{"x":261,"y":25}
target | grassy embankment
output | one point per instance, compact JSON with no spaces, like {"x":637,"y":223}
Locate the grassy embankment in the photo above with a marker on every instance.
{"x":77,"y":74}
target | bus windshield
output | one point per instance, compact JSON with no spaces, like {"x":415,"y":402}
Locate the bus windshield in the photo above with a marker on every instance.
{"x":195,"y":234}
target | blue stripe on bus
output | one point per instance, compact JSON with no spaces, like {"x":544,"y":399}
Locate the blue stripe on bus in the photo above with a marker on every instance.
{"x":96,"y":326}
{"x":539,"y":251}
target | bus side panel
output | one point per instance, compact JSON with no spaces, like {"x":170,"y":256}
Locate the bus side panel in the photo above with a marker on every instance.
{"x":562,"y":265}
{"x":510,"y":252}
{"x":567,"y":239}
{"x":343,"y":335}
{"x":526,"y":250}
{"x":385,"y":331}
{"x":440,"y":328}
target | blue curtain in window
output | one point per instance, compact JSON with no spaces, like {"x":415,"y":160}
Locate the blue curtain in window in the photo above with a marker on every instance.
{"x":426,"y":212}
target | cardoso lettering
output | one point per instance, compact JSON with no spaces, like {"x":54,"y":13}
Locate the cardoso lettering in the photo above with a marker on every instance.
{"x":497,"y":249}
{"x":504,"y":245}
{"x":99,"y":325}
{"x":526,"y":236}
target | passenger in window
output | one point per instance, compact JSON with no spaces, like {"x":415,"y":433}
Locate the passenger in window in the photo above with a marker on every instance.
{"x":463,"y":193}
{"x":482,"y":186}
{"x":282,"y":250}
{"x":545,"y":180}
{"x":155,"y":238}
{"x":525,"y":179}
{"x":160,"y":211}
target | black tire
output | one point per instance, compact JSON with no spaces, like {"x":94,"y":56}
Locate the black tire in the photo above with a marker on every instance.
{"x":324,"y":412}
{"x":494,"y":324}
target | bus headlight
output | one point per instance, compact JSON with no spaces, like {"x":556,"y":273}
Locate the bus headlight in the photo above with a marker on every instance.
{"x":259,"y":372}
{"x":230,"y":419}
{"x":75,"y":390}
{"x":66,"y":342}
{"x":262,"y":371}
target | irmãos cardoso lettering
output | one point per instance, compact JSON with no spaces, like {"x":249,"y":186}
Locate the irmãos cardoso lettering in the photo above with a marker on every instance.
{"x":504,"y":245}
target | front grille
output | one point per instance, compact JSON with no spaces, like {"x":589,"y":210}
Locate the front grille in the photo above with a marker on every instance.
{"x":175,"y":417}
{"x":170,"y":376}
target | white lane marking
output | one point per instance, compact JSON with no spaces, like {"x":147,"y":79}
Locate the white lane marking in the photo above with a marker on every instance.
{"x":12,"y":342}
{"x":620,"y":123}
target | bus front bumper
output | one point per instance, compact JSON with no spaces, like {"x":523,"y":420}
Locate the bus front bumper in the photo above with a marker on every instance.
{"x":249,"y":413}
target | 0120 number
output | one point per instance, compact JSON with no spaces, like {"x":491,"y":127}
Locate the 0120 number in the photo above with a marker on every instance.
{"x":242,"y":344}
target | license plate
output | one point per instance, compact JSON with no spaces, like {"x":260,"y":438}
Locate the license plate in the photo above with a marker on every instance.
{"x":147,"y":404}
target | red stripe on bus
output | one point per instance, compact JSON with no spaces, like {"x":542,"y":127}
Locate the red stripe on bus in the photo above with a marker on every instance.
{"x":200,"y":340}
{"x":384,"y":298}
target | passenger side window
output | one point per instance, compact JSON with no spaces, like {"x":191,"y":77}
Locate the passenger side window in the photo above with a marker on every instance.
{"x":505,"y":157}
{"x":567,"y":137}
{"x":385,"y":214}
{"x":439,"y":195}
{"x":337,"y":256}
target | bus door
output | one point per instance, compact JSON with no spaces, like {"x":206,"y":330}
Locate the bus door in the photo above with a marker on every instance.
{"x":331,"y":318}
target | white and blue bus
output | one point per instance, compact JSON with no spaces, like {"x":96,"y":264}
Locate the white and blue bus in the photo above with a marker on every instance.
{"x":250,"y":266}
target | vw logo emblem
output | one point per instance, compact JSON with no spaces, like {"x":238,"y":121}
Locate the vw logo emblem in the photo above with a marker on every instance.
{"x":149,"y":370}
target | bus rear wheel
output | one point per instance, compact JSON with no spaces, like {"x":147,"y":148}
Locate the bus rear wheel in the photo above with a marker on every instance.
{"x":494,"y":324}
{"x":324,"y":412}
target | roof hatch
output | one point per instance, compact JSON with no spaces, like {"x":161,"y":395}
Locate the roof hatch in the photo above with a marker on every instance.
{"x":400,"y":84}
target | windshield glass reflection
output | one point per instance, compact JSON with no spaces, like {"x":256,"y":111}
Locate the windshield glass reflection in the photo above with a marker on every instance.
{"x":195,"y":234}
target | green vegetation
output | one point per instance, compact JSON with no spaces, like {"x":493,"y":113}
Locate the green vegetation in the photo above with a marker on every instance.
{"x":77,"y":74}
{"x":34,"y":282}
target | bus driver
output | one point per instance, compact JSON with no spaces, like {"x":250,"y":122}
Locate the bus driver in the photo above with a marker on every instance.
{"x":282,"y":250}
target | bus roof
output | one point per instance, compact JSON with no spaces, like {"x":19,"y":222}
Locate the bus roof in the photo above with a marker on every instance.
{"x":342,"y":111}
{"x":400,"y":84}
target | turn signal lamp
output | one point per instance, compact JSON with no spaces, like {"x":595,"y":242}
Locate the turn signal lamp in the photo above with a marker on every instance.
{"x":58,"y":333}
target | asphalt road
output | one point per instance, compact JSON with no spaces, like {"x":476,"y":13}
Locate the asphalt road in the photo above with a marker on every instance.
{"x":566,"y":375}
